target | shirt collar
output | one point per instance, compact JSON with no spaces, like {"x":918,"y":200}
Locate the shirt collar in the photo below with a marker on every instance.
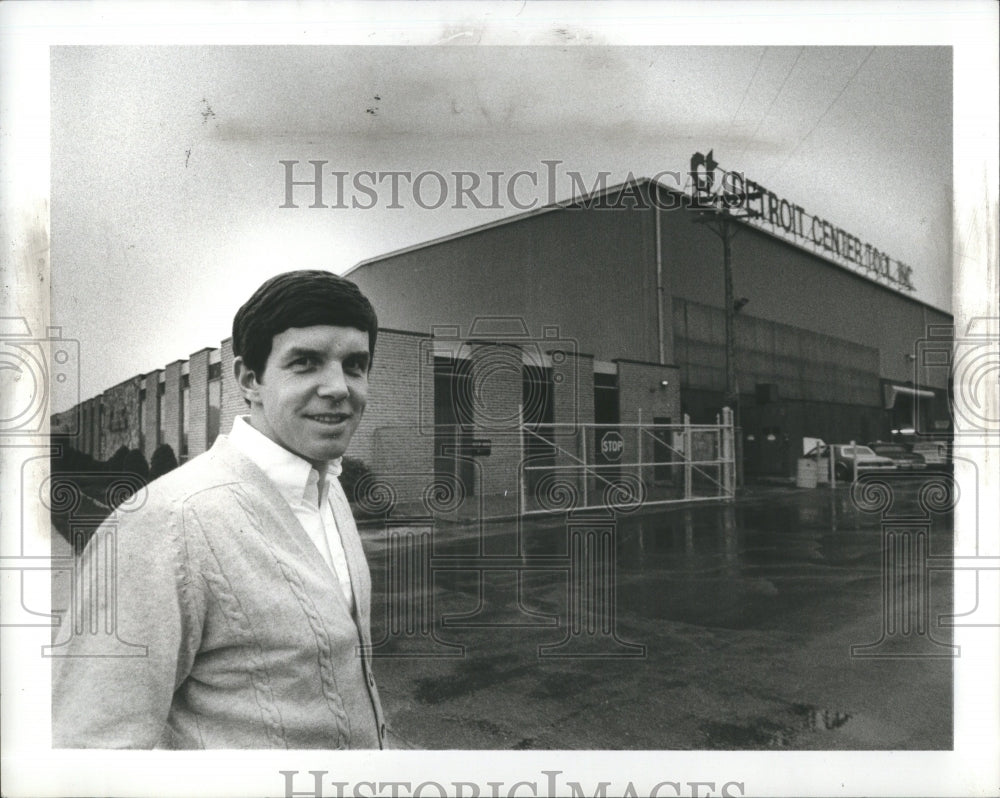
{"x":296,"y":479}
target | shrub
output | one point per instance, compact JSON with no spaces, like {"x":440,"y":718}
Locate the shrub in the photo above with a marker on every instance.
{"x":162,"y":461}
{"x":353,"y":471}
{"x":135,"y":463}
{"x":116,"y":462}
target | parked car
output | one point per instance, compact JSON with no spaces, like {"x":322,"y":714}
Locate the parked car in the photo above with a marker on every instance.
{"x":844,"y":455}
{"x":900,"y":454}
{"x":935,"y":453}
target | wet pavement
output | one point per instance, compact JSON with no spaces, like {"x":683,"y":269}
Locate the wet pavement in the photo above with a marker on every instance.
{"x":711,"y":626}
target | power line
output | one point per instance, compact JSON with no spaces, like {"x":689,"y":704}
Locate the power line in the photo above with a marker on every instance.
{"x":746,"y":91}
{"x":773,"y":101}
{"x":822,"y":116}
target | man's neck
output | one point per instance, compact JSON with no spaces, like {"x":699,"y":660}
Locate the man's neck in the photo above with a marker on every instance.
{"x":320,"y":466}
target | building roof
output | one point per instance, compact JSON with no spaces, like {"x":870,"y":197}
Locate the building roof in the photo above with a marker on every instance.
{"x":617,"y":187}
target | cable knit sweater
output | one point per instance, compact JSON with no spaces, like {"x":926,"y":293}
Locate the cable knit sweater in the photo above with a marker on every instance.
{"x":244,"y":639}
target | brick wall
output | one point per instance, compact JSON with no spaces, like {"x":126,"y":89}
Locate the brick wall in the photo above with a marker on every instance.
{"x":197,"y":425}
{"x":172,"y":407}
{"x":151,"y":414}
{"x":641,"y":397}
{"x":573,"y":403}
{"x":232,"y":400}
{"x":396,"y":436}
{"x":640,"y":389}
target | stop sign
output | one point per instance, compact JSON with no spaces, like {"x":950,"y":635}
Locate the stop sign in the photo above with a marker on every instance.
{"x":612,"y":446}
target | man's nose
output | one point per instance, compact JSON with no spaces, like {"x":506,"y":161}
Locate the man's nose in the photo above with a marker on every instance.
{"x":332,"y":382}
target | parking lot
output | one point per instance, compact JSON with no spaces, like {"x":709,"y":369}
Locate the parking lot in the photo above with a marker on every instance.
{"x":709,"y":626}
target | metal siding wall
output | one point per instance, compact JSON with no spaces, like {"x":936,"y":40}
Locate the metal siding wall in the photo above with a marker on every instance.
{"x":794,"y":287}
{"x":805,"y":365}
{"x":591,"y":273}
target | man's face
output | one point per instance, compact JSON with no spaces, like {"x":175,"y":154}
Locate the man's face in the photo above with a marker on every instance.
{"x":313,"y":391}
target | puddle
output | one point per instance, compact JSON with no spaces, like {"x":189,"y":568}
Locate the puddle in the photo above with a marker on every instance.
{"x":820,"y":719}
{"x":759,"y":733}
{"x":764,"y":733}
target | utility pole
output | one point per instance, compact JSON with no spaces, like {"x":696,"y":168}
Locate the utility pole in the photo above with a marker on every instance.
{"x":720,"y":218}
{"x":732,"y":390}
{"x":722,"y":222}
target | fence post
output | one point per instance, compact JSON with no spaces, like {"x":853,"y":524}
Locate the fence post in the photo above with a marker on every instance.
{"x":586,"y":476}
{"x":638,"y":446}
{"x":854,"y":460}
{"x":523,"y":498}
{"x":728,"y":452}
{"x":687,"y":457}
{"x":833,"y":468}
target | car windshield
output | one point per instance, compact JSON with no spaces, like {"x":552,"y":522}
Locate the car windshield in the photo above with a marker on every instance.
{"x":849,"y":450}
{"x":890,"y":448}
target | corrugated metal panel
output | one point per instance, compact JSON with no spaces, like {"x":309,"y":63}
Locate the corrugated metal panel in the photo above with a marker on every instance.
{"x":589,"y":273}
{"x":791,"y":286}
{"x":805,"y":365}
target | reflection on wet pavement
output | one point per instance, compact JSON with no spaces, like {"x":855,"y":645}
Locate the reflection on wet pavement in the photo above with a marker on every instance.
{"x":766,"y":733}
{"x":704,"y":626}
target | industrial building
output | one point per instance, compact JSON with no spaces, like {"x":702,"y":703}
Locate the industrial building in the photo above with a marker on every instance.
{"x":528,"y":339}
{"x":634,"y":287}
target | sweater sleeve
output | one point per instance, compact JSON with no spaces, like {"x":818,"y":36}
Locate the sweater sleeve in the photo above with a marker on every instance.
{"x":128,"y":637}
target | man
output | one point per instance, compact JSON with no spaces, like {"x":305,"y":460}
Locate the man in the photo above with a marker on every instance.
{"x":242,"y":573}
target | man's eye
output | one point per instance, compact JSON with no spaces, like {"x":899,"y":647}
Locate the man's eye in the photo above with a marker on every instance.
{"x":302,"y":363}
{"x":356,"y":365}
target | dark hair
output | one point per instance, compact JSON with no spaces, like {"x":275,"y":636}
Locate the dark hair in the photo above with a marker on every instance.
{"x":302,"y":298}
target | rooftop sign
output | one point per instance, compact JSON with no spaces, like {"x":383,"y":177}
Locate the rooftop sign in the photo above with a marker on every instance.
{"x":715,"y":188}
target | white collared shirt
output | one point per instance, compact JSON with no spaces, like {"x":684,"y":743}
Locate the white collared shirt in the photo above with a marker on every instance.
{"x":306,"y":490}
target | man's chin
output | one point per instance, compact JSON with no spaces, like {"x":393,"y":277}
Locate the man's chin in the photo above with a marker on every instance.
{"x":324,"y":454}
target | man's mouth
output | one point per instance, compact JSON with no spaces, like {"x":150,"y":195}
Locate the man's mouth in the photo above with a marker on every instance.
{"x":331,"y":419}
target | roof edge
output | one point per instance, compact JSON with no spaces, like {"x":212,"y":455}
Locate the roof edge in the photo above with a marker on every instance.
{"x":636,"y":181}
{"x":517,"y":217}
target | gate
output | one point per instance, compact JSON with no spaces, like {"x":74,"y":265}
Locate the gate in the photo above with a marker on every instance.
{"x":626,"y":466}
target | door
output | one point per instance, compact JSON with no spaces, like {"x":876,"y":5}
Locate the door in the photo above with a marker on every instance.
{"x":453,"y":425}
{"x":662,"y":453}
{"x":773,"y":451}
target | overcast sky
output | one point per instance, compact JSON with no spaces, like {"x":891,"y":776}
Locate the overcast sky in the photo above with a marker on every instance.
{"x":166,"y":181}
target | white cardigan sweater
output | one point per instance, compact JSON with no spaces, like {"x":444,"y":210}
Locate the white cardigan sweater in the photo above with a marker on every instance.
{"x":244,"y":639}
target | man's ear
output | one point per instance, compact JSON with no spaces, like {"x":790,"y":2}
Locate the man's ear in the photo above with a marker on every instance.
{"x":246,"y":381}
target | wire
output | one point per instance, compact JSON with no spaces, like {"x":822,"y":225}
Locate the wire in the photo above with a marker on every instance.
{"x":746,"y":91}
{"x":822,"y":116}
{"x":773,"y":101}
